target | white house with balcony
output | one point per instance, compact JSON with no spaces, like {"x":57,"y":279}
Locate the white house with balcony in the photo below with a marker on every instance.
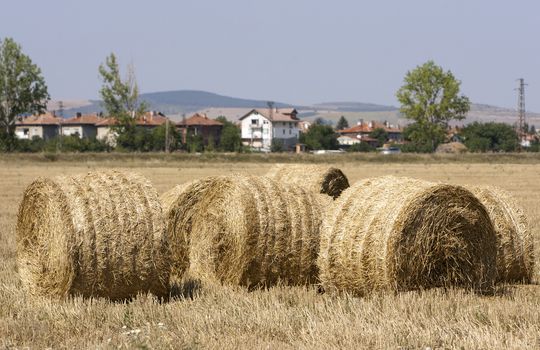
{"x":261,"y":126}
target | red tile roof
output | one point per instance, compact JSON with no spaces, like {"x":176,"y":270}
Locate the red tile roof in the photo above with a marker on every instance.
{"x":278,"y":114}
{"x":198,"y":119}
{"x":148,"y":119}
{"x":366,"y":128}
{"x":42,"y":119}
{"x":87,"y":119}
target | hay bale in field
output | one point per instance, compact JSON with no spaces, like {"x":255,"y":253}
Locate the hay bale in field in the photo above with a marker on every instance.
{"x":168,"y":198}
{"x":515,"y":256}
{"x":318,"y":178}
{"x":95,"y":235}
{"x":400,"y":234}
{"x":246,"y":230}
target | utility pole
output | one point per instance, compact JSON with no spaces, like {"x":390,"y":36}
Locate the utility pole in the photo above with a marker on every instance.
{"x":61,"y":109}
{"x":521,"y":110}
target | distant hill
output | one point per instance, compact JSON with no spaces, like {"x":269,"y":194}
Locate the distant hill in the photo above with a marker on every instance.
{"x":176,"y":103}
{"x":353,"y":107}
{"x":181,"y":101}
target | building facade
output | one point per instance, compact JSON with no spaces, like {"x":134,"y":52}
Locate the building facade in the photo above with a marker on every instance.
{"x":209,"y":130}
{"x":45,"y":126}
{"x":362,"y":130}
{"x":261,"y":127}
{"x":83,"y":126}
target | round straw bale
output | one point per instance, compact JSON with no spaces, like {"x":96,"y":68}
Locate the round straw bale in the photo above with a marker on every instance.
{"x":400,"y":234}
{"x":95,"y":235}
{"x":246,"y":230}
{"x":168,"y":198}
{"x":317,"y":178}
{"x":515,"y":255}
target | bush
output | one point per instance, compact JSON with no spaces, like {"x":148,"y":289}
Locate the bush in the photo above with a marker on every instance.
{"x":494,"y":137}
{"x":277,"y":146}
{"x":231,"y":139}
{"x":422,"y":139}
{"x":361,"y":147}
{"x":320,"y":136}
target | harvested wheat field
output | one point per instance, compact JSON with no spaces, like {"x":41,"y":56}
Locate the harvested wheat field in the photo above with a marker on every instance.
{"x":284,"y":317}
{"x":317,"y":178}
{"x":245,"y":230}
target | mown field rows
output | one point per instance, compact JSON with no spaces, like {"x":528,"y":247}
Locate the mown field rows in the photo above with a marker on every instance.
{"x":282,"y":317}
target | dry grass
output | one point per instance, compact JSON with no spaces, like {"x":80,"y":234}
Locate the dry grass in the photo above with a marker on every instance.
{"x":282,"y":317}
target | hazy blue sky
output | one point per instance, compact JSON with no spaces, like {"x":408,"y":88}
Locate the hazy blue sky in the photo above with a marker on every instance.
{"x":295,"y":51}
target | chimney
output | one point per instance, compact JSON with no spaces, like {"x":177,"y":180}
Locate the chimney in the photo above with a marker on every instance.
{"x":360,"y":122}
{"x":370,"y":125}
{"x":54,"y":114}
{"x":79,"y":114}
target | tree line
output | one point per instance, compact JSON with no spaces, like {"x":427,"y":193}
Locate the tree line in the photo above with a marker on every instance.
{"x":430,"y":98}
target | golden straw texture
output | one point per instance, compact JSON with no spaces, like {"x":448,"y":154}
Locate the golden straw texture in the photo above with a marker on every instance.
{"x":515,"y":255}
{"x":399,"y":234}
{"x":94,"y":235}
{"x":316,"y":178}
{"x":246,"y":230}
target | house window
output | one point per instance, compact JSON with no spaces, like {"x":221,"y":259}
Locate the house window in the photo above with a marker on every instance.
{"x":265,"y":122}
{"x":290,"y":131}
{"x":283,"y":131}
{"x":290,"y":125}
{"x":253,"y":121}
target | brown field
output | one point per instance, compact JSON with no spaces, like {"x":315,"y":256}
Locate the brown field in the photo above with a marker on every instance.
{"x":282,"y":317}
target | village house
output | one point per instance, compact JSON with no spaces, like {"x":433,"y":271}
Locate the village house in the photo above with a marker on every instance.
{"x":362,"y":130}
{"x":148,"y":120}
{"x":200,"y":125}
{"x":45,"y":126}
{"x":262,"y":126}
{"x":83,"y":126}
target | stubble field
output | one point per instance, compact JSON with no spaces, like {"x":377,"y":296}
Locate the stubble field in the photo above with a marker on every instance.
{"x":281,"y":317}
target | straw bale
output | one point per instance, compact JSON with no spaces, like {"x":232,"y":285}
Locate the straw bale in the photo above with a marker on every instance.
{"x":317,"y":178}
{"x":399,"y":234}
{"x":246,"y":230}
{"x":515,"y":255}
{"x":95,"y":235}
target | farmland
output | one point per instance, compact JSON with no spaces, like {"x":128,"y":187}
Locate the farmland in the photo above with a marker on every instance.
{"x":282,"y":317}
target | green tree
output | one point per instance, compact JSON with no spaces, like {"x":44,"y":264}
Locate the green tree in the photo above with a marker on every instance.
{"x":211,"y":145}
{"x":430,"y":97}
{"x":380,"y":134}
{"x":121,"y":99}
{"x":492,"y":137}
{"x":342,"y":123}
{"x":231,"y":140}
{"x":320,"y":136}
{"x":194,"y":143}
{"x":22,"y":90}
{"x":159,"y":134}
{"x":418,"y":141}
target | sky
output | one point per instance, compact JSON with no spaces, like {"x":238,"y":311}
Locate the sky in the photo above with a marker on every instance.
{"x":294,"y":51}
